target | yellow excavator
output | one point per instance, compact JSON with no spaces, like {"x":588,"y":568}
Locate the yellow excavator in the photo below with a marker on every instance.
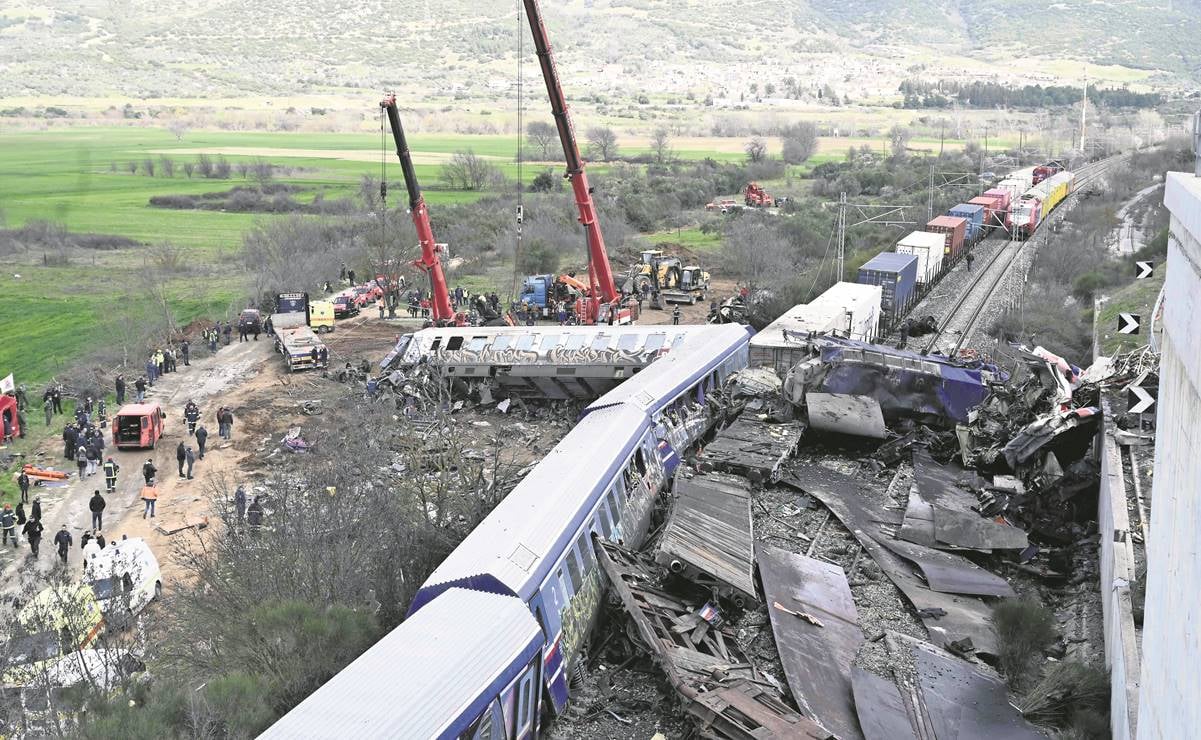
{"x":668,"y":280}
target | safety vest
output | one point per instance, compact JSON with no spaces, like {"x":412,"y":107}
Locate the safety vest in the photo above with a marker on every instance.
{"x":110,"y":469}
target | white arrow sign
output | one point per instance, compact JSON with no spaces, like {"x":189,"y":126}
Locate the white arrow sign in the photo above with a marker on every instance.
{"x":1128,"y":323}
{"x":1143,"y":270}
{"x":1139,"y":401}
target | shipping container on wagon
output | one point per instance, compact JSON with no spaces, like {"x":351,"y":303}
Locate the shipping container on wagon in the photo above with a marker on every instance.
{"x":896,"y":274}
{"x":781,"y":344}
{"x":1005,"y":197}
{"x":1014,"y":189}
{"x":860,"y":305}
{"x":955,"y":230}
{"x":975,"y":219}
{"x":992,"y":208}
{"x":928,"y":249}
{"x":1025,"y":178}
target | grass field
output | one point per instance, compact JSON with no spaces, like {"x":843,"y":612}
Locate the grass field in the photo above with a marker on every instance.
{"x":1136,"y":298}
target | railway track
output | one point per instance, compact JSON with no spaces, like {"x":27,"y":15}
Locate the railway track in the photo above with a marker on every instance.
{"x":963,"y":319}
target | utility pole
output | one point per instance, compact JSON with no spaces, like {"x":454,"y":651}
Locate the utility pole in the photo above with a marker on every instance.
{"x":930,"y":203}
{"x":1083,"y":112}
{"x":868,"y":214}
{"x":1197,"y":142}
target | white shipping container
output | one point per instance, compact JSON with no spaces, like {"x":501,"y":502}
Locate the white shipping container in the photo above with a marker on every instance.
{"x":1024,"y":176}
{"x":860,"y":305}
{"x":928,"y":248}
{"x":772,"y":348}
{"x":1014,"y":186}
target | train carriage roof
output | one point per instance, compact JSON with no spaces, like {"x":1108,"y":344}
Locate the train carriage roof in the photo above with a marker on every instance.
{"x":478,"y":641}
{"x":520,"y":541}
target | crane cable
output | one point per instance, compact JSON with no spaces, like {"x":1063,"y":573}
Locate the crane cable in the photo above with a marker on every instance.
{"x":383,"y":183}
{"x":520,"y":156}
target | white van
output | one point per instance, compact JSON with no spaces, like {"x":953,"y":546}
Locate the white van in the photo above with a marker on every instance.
{"x":124,"y":577}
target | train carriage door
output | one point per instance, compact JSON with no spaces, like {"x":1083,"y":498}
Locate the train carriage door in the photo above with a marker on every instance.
{"x":525,"y":725}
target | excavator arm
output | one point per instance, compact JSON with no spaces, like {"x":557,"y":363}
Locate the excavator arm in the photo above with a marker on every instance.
{"x":430,"y":263}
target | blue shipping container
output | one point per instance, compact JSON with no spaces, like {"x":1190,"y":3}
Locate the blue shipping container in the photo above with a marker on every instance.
{"x":896,"y":274}
{"x":975,"y":219}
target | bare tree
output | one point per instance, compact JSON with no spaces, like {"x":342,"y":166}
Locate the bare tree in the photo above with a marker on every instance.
{"x":188,"y":169}
{"x":148,"y":167}
{"x":263,"y":171}
{"x":466,"y":170}
{"x":177,"y":128}
{"x":243,"y":169}
{"x":542,"y":135}
{"x":898,"y":140}
{"x":756,"y":150}
{"x":661,"y":144}
{"x":133,"y":167}
{"x":602,"y":143}
{"x":758,"y":254}
{"x":800,"y":142}
{"x":204,"y":165}
{"x":166,"y":166}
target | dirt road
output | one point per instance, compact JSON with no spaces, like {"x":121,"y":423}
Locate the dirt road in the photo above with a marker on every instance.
{"x":208,"y":382}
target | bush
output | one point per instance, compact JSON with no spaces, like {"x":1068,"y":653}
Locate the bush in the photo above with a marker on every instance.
{"x":1066,"y":690}
{"x":538,"y":258}
{"x":1024,"y":630}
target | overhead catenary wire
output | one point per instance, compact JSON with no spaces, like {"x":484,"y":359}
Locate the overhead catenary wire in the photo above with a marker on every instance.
{"x":520,"y":214}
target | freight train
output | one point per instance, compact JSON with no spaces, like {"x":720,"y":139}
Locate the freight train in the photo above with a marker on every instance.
{"x":494,"y":633}
{"x":1017,"y":205}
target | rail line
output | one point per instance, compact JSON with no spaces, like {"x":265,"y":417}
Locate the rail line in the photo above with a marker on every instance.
{"x":962,"y":320}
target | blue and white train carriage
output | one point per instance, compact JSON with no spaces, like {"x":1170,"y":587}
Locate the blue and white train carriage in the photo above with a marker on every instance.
{"x":533,"y":554}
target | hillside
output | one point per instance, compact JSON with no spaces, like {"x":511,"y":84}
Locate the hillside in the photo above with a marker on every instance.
{"x":466,"y":49}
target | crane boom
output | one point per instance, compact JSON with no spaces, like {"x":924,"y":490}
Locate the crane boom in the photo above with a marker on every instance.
{"x":429,"y":263}
{"x":598,"y":258}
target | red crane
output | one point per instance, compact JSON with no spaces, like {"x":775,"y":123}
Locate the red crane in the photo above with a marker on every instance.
{"x":600,"y":274}
{"x":429,"y":263}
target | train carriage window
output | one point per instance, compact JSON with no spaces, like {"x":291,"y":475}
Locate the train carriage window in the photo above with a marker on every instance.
{"x":619,"y":485}
{"x":574,"y":341}
{"x":568,"y":591}
{"x":438,"y":343}
{"x":550,"y":340}
{"x":526,"y":341}
{"x":502,"y":341}
{"x":613,"y":504}
{"x":640,"y":462}
{"x":477,"y":343}
{"x":586,"y":552}
{"x":653,"y":342}
{"x":606,"y":521}
{"x":453,"y":343}
{"x":601,"y":341}
{"x":677,"y":341}
{"x":627,"y":342}
{"x":525,"y":704}
{"x":573,"y":572}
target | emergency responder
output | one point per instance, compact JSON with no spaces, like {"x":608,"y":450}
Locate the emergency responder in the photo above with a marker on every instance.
{"x":23,"y":484}
{"x":96,"y":505}
{"x":191,"y":414}
{"x":190,"y":458}
{"x":70,"y":441}
{"x":33,"y":533}
{"x":185,"y":351}
{"x":148,"y":470}
{"x":202,"y":436}
{"x":8,"y":524}
{"x":675,"y":316}
{"x":111,"y":468}
{"x":240,"y":502}
{"x":254,"y":516}
{"x":181,"y":454}
{"x":63,"y":541}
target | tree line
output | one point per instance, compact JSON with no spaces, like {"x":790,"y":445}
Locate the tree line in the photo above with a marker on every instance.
{"x":945,"y":93}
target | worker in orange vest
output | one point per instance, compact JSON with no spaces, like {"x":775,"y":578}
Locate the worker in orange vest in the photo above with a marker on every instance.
{"x":149,"y":496}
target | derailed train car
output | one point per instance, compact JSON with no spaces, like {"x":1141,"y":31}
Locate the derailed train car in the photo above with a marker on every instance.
{"x":532,"y":554}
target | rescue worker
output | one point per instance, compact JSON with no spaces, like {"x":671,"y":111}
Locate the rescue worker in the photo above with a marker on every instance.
{"x":111,"y":468}
{"x":81,"y":459}
{"x":323,"y":356}
{"x":8,"y":524}
{"x":241,"y":332}
{"x":185,"y":351}
{"x":240,"y":502}
{"x":160,"y":359}
{"x":190,"y":457}
{"x":969,"y":258}
{"x":139,"y":387}
{"x":102,"y":414}
{"x":96,"y":506}
{"x":35,"y":512}
{"x":20,"y":513}
{"x":225,"y":419}
{"x":227,"y":331}
{"x":120,"y":384}
{"x":181,"y":454}
{"x":149,"y":497}
{"x":71,"y":439}
{"x":254,"y":517}
{"x":48,"y":410}
{"x":33,"y":533}
{"x":675,"y":316}
{"x":56,"y":395}
{"x":22,"y":398}
{"x":148,"y":470}
{"x":23,"y":484}
{"x":202,"y":436}
{"x":191,"y":414}
{"x":64,"y":542}
{"x":151,"y":371}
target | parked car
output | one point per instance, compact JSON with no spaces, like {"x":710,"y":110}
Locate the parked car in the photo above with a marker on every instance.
{"x":345,"y":307}
{"x":252,"y":320}
{"x":124,"y":578}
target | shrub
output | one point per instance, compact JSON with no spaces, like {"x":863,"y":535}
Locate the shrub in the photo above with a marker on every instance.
{"x":1024,"y":630}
